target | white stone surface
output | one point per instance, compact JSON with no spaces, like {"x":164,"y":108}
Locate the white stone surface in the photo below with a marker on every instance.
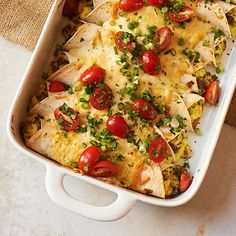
{"x":25,"y":208}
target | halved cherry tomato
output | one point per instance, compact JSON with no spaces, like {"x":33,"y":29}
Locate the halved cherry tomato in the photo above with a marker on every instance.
{"x":158,"y":149}
{"x":162,"y":38}
{"x":56,"y":86}
{"x":88,"y":158}
{"x":101,"y":97}
{"x":212,"y":95}
{"x":67,"y":118}
{"x":183,"y":15}
{"x":70,"y":7}
{"x":145,"y":109}
{"x":151,"y":63}
{"x":185,"y":181}
{"x":102,"y":169}
{"x":92,"y":76}
{"x":130,"y":5}
{"x":117,"y":125}
{"x":156,"y":2}
{"x":124,"y":41}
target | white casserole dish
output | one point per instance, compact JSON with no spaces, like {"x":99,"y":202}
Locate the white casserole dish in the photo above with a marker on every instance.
{"x":203,"y":146}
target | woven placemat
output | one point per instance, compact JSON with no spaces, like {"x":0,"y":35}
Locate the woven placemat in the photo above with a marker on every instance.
{"x":22,"y":22}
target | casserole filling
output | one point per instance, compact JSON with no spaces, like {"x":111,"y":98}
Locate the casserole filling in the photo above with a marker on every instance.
{"x":219,"y":50}
{"x":231,"y":17}
{"x":195,"y":112}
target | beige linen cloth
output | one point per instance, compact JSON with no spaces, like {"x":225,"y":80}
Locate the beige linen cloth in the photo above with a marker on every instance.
{"x":21,"y":21}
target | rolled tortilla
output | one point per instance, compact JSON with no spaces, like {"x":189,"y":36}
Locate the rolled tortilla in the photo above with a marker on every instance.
{"x":177,"y":107}
{"x":215,"y":13}
{"x":99,"y":2}
{"x":195,"y":105}
{"x":174,"y":140}
{"x":101,"y":13}
{"x":151,"y":180}
{"x":190,"y":81}
{"x":196,"y":80}
{"x":83,"y":36}
{"x":169,"y":137}
{"x":230,"y":11}
{"x":46,"y":107}
{"x":211,"y":49}
{"x":68,"y":74}
{"x":50,"y":142}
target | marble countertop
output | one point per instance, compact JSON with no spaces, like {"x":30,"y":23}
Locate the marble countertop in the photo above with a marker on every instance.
{"x":25,"y":208}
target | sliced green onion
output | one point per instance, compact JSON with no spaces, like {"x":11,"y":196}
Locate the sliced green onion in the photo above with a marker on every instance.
{"x":100,"y":23}
{"x":137,"y":32}
{"x":112,"y":22}
{"x":164,"y":10}
{"x":122,"y":13}
{"x":220,"y":69}
{"x":198,"y":132}
{"x":149,"y":46}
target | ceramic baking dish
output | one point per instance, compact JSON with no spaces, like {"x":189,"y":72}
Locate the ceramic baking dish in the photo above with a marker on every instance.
{"x":203,"y":146}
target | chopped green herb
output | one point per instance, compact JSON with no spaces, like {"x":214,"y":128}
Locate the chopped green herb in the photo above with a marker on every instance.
{"x":178,"y":5}
{"x":181,"y":42}
{"x":122,"y":13}
{"x":112,"y":22}
{"x":86,"y":167}
{"x":84,"y":145}
{"x":103,"y":148}
{"x":119,"y":157}
{"x":75,"y":165}
{"x":115,"y":50}
{"x":83,"y":100}
{"x":198,"y":132}
{"x":220,"y":69}
{"x":164,"y":10}
{"x":100,"y":23}
{"x":205,"y":43}
{"x":71,"y":90}
{"x":132,"y":25}
{"x":217,"y":33}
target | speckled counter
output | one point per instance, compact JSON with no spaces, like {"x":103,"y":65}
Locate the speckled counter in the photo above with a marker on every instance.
{"x":25,"y":208}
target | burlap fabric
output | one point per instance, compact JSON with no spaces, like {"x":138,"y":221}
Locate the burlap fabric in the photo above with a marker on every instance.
{"x":22,"y":21}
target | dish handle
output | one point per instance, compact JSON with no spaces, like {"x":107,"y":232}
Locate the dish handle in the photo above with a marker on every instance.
{"x":56,"y":191}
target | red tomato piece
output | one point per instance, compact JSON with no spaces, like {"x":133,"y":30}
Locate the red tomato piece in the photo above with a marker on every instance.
{"x":117,"y":125}
{"x":130,"y":5}
{"x":67,"y":118}
{"x":212,"y":95}
{"x":92,"y":76}
{"x":183,"y":15}
{"x":151,"y":63}
{"x":158,"y":149}
{"x":185,"y":181}
{"x":101,"y":97}
{"x":162,"y":38}
{"x":70,"y":7}
{"x":56,"y":86}
{"x":156,"y":2}
{"x":103,"y":169}
{"x":124,"y":41}
{"x":88,"y":158}
{"x":145,"y":109}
